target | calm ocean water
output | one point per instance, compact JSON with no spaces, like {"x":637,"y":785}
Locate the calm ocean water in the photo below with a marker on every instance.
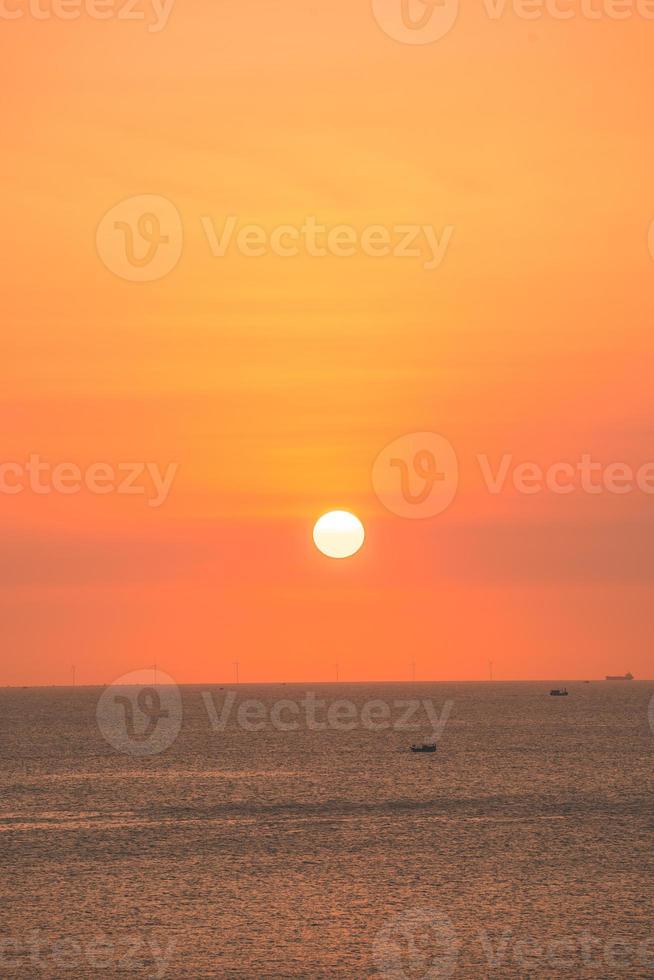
{"x":523,"y":847}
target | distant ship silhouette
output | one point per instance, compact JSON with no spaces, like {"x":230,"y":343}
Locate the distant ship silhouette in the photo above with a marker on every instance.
{"x":619,"y":677}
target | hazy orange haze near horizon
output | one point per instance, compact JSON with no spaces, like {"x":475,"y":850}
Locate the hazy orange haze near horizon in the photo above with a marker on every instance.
{"x":274,"y":382}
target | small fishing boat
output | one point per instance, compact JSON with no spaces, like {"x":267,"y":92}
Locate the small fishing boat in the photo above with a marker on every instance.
{"x":424,"y":747}
{"x":559,"y":692}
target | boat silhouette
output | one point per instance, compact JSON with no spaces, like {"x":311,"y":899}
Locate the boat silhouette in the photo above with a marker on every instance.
{"x":424,"y":747}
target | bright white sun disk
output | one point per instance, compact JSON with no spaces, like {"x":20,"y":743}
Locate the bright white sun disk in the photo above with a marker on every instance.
{"x":338,"y":534}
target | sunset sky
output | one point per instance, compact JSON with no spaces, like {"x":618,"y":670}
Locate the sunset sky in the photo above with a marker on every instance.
{"x":274,"y":382}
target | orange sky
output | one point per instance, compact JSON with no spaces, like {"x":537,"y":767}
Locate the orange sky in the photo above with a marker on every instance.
{"x":274,"y":382}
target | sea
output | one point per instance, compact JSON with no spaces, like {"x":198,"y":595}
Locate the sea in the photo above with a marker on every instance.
{"x":288,"y":830}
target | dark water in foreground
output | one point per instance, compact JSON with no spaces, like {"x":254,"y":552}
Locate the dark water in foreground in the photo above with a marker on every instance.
{"x":522,"y":848}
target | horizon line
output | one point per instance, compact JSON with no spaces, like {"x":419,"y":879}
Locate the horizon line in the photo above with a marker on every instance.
{"x":333,"y":683}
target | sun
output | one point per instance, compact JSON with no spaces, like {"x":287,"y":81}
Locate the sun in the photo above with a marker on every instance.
{"x":338,"y":534}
